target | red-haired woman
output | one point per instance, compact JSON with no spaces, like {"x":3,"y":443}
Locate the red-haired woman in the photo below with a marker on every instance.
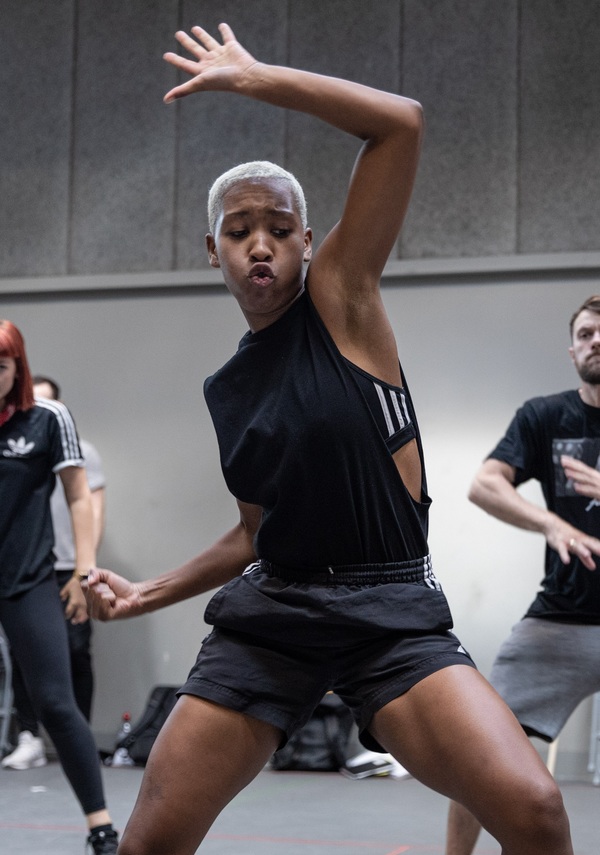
{"x":38,"y":441}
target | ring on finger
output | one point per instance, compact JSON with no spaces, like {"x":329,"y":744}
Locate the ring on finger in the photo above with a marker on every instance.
{"x":572,"y":543}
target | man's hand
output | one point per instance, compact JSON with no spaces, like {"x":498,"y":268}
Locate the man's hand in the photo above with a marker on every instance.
{"x":110,"y":596}
{"x":216,"y":66}
{"x":76,"y":608}
{"x":568,"y":540}
{"x":585,"y":479}
{"x":493,"y":490}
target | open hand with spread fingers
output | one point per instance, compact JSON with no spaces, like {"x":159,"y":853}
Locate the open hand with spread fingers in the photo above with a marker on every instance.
{"x":215,"y":66}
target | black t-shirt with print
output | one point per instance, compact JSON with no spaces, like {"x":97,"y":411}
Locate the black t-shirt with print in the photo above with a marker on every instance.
{"x":542,"y":430}
{"x":34,"y":445}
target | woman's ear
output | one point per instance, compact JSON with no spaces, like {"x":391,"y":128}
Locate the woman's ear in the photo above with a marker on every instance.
{"x":211,"y":247}
{"x":307,"y":245}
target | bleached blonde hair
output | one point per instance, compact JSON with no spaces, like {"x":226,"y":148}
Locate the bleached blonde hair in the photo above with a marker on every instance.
{"x":252,"y":169}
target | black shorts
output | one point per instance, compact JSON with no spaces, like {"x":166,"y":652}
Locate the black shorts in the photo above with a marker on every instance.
{"x":279,"y":644}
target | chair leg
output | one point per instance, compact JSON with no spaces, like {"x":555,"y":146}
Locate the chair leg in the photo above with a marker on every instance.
{"x":551,"y":759}
{"x":5,"y":693}
{"x":594,"y":756}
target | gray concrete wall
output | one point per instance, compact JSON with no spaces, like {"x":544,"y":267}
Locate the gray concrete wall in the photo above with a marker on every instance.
{"x":103,"y":190}
{"x":98,"y":176}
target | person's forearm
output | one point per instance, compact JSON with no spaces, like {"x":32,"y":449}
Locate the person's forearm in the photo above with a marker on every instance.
{"x":352,"y":107}
{"x":499,"y":498}
{"x":98,"y":509}
{"x":222,"y":562}
{"x":496,"y":494}
{"x":83,"y":535}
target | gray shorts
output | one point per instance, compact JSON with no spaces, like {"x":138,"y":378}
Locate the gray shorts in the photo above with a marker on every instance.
{"x":279,"y":644}
{"x":544,"y":670}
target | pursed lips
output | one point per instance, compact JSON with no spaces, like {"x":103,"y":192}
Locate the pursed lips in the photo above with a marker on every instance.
{"x":261,"y":273}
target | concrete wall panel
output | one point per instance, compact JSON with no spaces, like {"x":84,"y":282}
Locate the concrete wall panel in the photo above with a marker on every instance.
{"x":459,"y":61}
{"x":560,"y":126}
{"x":98,"y":176}
{"x":124,"y":142}
{"x":217,"y":130}
{"x":35,"y":105}
{"x":341,"y":39}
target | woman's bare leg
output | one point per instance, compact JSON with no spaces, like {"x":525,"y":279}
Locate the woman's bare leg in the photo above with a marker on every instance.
{"x":204,"y":755}
{"x":454,"y":733}
{"x":462,"y":830}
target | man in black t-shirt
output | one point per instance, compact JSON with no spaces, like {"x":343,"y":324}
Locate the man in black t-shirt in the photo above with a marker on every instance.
{"x":551,"y":660}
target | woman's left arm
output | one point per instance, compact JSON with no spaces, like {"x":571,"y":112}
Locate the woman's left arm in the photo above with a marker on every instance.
{"x":345,"y":270}
{"x":79,"y":500}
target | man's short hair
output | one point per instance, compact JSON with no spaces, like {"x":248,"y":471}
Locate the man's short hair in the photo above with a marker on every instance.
{"x":252,"y":169}
{"x":592,"y":304}
{"x":38,"y":379}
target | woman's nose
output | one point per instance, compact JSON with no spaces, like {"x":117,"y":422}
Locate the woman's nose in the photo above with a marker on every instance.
{"x":260,"y":248}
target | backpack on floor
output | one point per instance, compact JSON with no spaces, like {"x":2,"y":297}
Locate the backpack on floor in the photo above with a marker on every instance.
{"x":321,"y":745}
{"x":140,"y":738}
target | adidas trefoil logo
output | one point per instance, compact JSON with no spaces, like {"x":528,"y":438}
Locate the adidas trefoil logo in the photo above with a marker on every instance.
{"x":18,"y":447}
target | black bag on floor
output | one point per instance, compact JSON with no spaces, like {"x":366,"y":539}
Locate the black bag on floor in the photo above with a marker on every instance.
{"x":321,"y":744}
{"x":140,"y":738}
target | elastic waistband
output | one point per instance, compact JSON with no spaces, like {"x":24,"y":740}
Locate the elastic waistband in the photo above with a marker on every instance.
{"x":417,"y":570}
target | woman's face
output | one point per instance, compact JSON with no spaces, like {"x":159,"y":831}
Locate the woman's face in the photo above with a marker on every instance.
{"x":8,"y":375}
{"x":260,"y":246}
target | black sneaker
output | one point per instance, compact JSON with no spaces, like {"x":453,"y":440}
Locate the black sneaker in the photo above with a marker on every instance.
{"x":103,"y":842}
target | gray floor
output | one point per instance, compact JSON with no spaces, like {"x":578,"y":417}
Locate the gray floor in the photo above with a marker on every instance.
{"x":280,"y":813}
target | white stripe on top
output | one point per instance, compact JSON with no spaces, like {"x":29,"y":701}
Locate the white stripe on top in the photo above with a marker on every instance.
{"x":400,"y":410}
{"x":66,"y":426}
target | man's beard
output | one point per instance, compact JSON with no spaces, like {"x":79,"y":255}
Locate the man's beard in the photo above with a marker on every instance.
{"x":590,"y":373}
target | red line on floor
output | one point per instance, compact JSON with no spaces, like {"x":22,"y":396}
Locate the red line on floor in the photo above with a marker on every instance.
{"x":38,"y":826}
{"x":356,"y":844}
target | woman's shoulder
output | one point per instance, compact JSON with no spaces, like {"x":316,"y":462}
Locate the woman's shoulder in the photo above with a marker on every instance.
{"x":51,"y":410}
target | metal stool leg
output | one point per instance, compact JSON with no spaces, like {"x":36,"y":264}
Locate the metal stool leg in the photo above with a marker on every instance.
{"x":594,"y":755}
{"x":551,"y":759}
{"x":5,"y":692}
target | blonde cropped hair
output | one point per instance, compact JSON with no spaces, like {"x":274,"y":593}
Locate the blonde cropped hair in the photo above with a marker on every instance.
{"x":252,"y":169}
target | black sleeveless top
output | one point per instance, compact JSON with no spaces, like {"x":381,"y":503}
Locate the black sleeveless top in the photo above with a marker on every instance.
{"x":309,"y":437}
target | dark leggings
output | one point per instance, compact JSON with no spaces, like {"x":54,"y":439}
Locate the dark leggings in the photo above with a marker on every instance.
{"x":79,"y":636}
{"x":34,"y":624}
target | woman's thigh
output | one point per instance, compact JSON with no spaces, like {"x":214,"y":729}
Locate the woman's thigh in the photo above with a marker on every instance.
{"x":454,"y":733}
{"x":35,"y":627}
{"x":204,"y":755}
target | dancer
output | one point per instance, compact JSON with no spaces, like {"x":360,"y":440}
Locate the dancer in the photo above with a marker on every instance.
{"x":327,"y":580}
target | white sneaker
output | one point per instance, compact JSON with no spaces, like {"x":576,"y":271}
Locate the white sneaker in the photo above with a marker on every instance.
{"x":29,"y":753}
